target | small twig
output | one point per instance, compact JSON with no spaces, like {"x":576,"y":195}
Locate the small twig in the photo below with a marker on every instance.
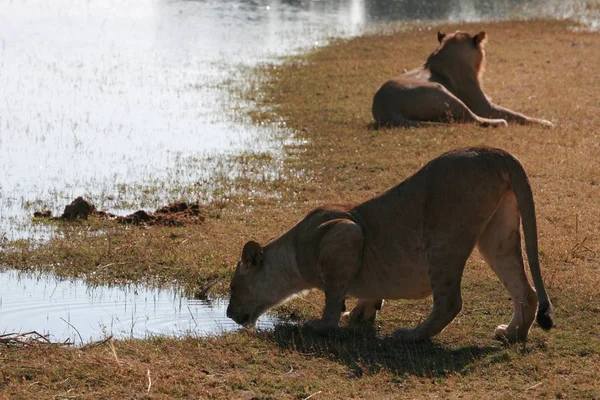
{"x":290,"y":371}
{"x":105,"y":266}
{"x":149,"y":380}
{"x":202,"y":293}
{"x":192,"y":315}
{"x":39,"y":336}
{"x":79,"y":334}
{"x":576,"y":250}
{"x":96,"y":344}
{"x":534,"y":386}
{"x":314,"y":394}
{"x":29,"y":339}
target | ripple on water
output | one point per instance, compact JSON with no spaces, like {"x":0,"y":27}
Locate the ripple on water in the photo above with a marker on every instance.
{"x":78,"y":312}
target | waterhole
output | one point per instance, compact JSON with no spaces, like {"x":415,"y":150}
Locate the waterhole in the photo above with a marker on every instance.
{"x":79,"y":313}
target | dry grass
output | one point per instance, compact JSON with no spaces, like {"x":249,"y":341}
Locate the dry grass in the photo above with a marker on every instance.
{"x":543,"y":69}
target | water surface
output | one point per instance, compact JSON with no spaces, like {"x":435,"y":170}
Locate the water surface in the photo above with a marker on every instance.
{"x":128,"y":102}
{"x":71,"y":310}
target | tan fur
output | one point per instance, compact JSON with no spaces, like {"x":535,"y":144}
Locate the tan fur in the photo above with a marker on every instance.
{"x":407,"y":243}
{"x":447,"y":88}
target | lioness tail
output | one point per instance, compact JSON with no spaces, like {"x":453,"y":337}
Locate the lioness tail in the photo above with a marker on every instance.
{"x":522,"y":189}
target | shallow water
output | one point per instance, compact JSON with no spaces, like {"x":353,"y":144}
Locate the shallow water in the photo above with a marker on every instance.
{"x":79,"y":313}
{"x":125,"y":102}
{"x":113,"y":100}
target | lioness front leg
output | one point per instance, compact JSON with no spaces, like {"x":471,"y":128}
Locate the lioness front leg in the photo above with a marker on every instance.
{"x":496,"y":111}
{"x":445,"y":277}
{"x":454,"y":109}
{"x":364,"y":312}
{"x":340,"y":246}
{"x":446,"y":306}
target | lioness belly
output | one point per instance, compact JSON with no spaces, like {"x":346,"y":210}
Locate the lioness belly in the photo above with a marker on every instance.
{"x":404,"y":281}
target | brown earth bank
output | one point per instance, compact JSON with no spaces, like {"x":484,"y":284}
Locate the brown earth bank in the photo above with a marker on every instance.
{"x":547,"y":69}
{"x":175,"y":214}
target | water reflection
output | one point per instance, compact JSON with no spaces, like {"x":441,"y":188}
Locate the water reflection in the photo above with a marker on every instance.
{"x":119,"y":101}
{"x":75,"y":311}
{"x":470,"y":10}
{"x":100,"y":96}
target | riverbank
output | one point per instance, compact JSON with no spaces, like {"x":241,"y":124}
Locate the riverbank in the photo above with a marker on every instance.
{"x":544,"y":69}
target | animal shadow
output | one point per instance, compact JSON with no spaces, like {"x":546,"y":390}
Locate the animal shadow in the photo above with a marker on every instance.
{"x":364,"y":352}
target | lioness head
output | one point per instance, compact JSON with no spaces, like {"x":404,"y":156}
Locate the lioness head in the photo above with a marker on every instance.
{"x":264,"y":277}
{"x":459,"y":48}
{"x":243,"y":307}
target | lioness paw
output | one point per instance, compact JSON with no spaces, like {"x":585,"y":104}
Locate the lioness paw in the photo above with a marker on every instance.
{"x":505,"y":334}
{"x":501,"y":332}
{"x":498,"y":123}
{"x":511,"y":335}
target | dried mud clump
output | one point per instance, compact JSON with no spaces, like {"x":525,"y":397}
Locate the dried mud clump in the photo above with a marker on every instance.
{"x":176,"y":214}
{"x":79,"y":208}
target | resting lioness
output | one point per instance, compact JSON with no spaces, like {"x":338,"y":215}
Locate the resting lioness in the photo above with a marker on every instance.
{"x":447,"y":88}
{"x":406,"y":243}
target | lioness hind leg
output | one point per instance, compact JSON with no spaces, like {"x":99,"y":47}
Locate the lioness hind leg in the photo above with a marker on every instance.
{"x":365,"y":311}
{"x":428,"y":104}
{"x":500,"y":246}
{"x":460,"y":112}
{"x":340,"y":243}
{"x":496,"y":111}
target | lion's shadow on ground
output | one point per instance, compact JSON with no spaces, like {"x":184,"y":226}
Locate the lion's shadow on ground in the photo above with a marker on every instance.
{"x":365,"y":352}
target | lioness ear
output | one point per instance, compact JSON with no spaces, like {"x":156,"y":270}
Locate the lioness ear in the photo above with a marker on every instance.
{"x":441,"y":36}
{"x":252,"y":254}
{"x":479,"y":39}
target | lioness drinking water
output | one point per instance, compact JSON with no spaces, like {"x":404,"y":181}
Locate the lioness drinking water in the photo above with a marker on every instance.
{"x":406,"y":243}
{"x":447,"y":88}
